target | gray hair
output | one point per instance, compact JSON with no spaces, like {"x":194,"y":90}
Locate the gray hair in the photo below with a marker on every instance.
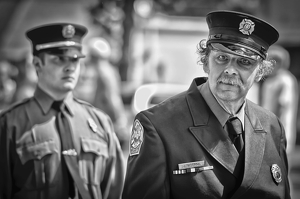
{"x":265,"y":66}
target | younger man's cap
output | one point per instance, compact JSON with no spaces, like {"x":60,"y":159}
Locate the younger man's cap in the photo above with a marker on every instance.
{"x":63,"y":39}
{"x":242,"y":32}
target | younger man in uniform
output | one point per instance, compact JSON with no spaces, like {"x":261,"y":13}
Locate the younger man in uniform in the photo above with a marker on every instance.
{"x":53,"y":145}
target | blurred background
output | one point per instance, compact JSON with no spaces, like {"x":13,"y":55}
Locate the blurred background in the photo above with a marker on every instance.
{"x":140,"y":52}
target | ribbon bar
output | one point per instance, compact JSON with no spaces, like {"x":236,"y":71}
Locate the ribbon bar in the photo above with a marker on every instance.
{"x":192,"y":170}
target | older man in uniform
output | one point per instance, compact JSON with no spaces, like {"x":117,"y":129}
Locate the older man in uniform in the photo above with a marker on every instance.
{"x":210,"y":141}
{"x":53,"y":145}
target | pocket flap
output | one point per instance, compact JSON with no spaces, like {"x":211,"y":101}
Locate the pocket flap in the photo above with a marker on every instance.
{"x":94,"y":146}
{"x":36,"y":150}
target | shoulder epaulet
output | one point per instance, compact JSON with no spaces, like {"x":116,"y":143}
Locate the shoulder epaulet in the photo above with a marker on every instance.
{"x":89,"y":105}
{"x":14,"y":105}
{"x":82,"y":102}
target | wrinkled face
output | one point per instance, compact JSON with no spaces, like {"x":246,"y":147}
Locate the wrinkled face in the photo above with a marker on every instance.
{"x":230,"y":76}
{"x":58,"y":74}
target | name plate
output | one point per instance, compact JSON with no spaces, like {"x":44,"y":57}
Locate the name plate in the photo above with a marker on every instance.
{"x":189,"y":165}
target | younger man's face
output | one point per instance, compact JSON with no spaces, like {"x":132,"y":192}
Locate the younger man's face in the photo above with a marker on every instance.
{"x":59,"y":74}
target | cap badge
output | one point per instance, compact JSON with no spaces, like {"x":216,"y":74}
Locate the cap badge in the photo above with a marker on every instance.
{"x":247,"y":26}
{"x":68,"y":31}
{"x":136,"y":138}
{"x":92,"y":125}
{"x":276,"y":173}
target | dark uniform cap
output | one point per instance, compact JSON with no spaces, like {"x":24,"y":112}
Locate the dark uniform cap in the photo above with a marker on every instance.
{"x":63,"y":39}
{"x":240,"y":29}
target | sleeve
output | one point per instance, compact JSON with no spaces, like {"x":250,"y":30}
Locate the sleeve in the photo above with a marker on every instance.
{"x":288,"y":100}
{"x":5,"y":163}
{"x":113,"y":181}
{"x":283,"y":155}
{"x":146,"y":175}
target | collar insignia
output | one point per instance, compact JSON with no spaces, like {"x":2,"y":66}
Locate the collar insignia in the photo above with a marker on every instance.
{"x":93,"y":125}
{"x":246,"y":26}
{"x":68,"y":31}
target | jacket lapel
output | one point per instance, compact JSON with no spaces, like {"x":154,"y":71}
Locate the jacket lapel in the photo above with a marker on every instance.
{"x":208,"y":130}
{"x":210,"y":134}
{"x":255,"y":139}
{"x":215,"y":142}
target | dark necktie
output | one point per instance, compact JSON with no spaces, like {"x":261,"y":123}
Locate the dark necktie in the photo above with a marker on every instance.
{"x":63,"y":127}
{"x":234,"y":127}
{"x":65,"y":137}
{"x":69,"y":153}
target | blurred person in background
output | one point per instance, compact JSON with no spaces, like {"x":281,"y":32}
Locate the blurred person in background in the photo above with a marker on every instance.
{"x":279,"y":93}
{"x":27,"y":79}
{"x":99,"y":84}
{"x":211,"y":141}
{"x":53,"y":145}
{"x":8,"y":86}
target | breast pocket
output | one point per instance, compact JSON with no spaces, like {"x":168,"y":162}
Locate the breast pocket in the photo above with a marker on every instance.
{"x":92,"y":161}
{"x":38,"y":151}
{"x":44,"y":156}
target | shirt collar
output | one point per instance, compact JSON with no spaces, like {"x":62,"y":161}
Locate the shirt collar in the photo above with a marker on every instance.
{"x":45,"y":101}
{"x":70,"y":104}
{"x":217,"y":109}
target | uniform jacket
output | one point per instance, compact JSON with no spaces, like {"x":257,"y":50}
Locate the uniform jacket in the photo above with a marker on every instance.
{"x":31,"y":157}
{"x":183,"y":129}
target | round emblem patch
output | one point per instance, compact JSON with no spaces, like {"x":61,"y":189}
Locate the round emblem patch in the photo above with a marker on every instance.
{"x":247,"y":26}
{"x":136,"y":138}
{"x":276,"y":173}
{"x":68,"y":31}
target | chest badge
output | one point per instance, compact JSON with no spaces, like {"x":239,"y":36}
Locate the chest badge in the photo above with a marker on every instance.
{"x":92,"y":125}
{"x":136,"y":138}
{"x":276,"y":173}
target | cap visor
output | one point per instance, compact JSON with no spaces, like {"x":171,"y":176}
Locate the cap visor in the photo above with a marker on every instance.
{"x":67,"y":52}
{"x":240,"y":53}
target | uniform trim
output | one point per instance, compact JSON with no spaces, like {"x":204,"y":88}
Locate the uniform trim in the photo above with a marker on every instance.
{"x":57,"y":44}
